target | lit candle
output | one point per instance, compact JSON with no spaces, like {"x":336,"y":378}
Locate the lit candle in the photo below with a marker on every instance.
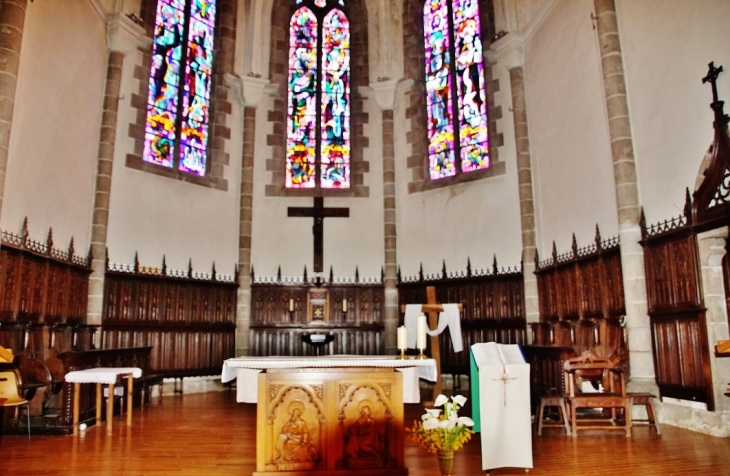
{"x":291,"y":305}
{"x":344,"y":305}
{"x":421,"y":332}
{"x":402,"y":338}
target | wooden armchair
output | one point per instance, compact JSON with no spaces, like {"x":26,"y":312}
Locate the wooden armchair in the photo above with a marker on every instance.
{"x":613,"y":395}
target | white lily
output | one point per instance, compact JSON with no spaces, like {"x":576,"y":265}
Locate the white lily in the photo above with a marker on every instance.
{"x":431,"y":413}
{"x":440,"y":400}
{"x":431,"y":424}
{"x":459,"y":399}
{"x":465,"y":420}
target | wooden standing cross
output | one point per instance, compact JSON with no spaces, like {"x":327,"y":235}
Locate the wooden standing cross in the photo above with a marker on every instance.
{"x":319,"y":213}
{"x":432,"y":308}
{"x":711,"y":77}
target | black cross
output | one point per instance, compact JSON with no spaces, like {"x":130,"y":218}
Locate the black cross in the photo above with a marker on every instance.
{"x":319,"y":213}
{"x":712,"y":75}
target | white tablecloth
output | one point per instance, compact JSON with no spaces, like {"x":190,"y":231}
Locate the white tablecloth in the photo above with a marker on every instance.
{"x":246,"y":369}
{"x":101,"y":374}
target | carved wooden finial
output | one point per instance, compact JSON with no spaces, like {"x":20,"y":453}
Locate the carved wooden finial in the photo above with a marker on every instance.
{"x":253,"y":273}
{"x":537,"y":258}
{"x":443,"y":269}
{"x":642,"y":222}
{"x":190,"y":267}
{"x":136,"y":262}
{"x":304,"y":277}
{"x":494,"y":264}
{"x":688,"y":205}
{"x":332,"y":275}
{"x":164,"y":265}
{"x":398,"y":275}
{"x":598,"y":238}
{"x":49,"y":241}
{"x":24,"y":229}
{"x":106,"y":257}
{"x":468,"y":267}
{"x":71,"y":249}
{"x":711,"y":77}
{"x":213,"y":273}
{"x":420,"y":272}
{"x":357,"y":274}
{"x":382,"y":274}
{"x":555,"y":253}
{"x":278,"y":274}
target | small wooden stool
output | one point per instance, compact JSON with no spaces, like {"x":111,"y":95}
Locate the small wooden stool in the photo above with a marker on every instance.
{"x":557,"y":401}
{"x":647,"y":400}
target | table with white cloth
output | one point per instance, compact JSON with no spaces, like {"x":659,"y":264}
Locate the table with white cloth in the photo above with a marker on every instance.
{"x":329,"y":415}
{"x":99,"y":376}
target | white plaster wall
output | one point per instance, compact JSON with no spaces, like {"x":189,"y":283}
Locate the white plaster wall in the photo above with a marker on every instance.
{"x":55,"y":134}
{"x":351,"y":242}
{"x":471,"y":221}
{"x":666,"y":53}
{"x":571,"y":154}
{"x":155,"y":215}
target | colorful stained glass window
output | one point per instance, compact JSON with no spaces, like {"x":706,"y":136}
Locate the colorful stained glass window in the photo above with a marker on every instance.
{"x":176,"y":130}
{"x":455,"y":96}
{"x":318,"y":109}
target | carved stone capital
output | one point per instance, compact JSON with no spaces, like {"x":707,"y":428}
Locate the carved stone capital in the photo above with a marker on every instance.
{"x":253,"y":89}
{"x":122,"y":34}
{"x":508,"y":51}
{"x":385,"y":92}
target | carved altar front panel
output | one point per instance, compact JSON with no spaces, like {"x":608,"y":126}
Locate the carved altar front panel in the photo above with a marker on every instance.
{"x":330,"y":422}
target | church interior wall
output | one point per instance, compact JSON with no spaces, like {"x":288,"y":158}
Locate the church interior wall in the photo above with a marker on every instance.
{"x":55,"y":133}
{"x":571,"y":154}
{"x":666,"y":52}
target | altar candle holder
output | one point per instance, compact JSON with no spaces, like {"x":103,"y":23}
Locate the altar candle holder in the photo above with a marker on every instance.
{"x":421,"y":355}
{"x":402,"y":355}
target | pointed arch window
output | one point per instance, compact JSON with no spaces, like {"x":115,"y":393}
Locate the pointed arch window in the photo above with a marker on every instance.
{"x":176,"y":128}
{"x":318,"y":104}
{"x":455,"y":96}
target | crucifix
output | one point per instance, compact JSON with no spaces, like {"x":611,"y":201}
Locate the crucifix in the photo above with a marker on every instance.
{"x":319,"y":213}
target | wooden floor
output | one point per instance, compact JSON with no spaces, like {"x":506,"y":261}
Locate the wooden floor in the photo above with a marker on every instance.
{"x":207,"y":434}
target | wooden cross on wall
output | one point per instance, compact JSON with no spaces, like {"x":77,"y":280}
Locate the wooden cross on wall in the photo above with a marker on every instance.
{"x":432,"y":308}
{"x":319,"y":213}
{"x":711,"y":77}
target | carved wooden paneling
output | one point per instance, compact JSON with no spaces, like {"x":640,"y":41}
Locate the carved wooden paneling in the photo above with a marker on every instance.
{"x":585,"y":283}
{"x":188,"y":322}
{"x":276,"y":330}
{"x":493,"y":310}
{"x":41,"y":284}
{"x":676,"y":310}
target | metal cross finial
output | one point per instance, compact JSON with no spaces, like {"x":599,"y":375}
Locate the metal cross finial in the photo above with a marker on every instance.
{"x":711,"y":77}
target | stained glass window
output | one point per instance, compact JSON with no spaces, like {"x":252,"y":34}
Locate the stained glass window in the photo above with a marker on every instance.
{"x":176,"y":130}
{"x":318,"y":109}
{"x":455,"y":96}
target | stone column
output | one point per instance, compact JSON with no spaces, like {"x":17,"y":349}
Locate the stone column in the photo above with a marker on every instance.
{"x":252,"y":91}
{"x":508,"y":52}
{"x":12,"y":23}
{"x":122,"y":36}
{"x":384,"y":93}
{"x":627,"y":197}
{"x":711,"y":248}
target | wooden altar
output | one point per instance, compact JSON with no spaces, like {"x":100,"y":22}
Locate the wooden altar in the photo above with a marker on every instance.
{"x":330,"y":421}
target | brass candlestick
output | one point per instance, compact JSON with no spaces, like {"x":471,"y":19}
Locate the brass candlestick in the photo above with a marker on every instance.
{"x":421,"y":355}
{"x":402,"y":355}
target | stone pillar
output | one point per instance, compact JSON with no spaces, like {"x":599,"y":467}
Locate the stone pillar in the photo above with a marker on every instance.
{"x":12,"y":23}
{"x":711,"y":248}
{"x":252,"y":91}
{"x":122,"y":37}
{"x":384,"y":93}
{"x":527,"y":207}
{"x":627,"y":197}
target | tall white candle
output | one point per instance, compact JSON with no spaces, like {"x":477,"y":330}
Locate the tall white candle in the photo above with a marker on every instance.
{"x":291,"y":305}
{"x":421,"y":332}
{"x":344,"y":305}
{"x":402,"y":338}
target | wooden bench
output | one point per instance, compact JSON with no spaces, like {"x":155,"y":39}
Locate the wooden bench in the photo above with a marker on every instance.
{"x":647,"y":400}
{"x":555,"y":401}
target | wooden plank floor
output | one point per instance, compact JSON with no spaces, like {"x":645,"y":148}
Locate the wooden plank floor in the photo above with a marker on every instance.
{"x":211,"y":434}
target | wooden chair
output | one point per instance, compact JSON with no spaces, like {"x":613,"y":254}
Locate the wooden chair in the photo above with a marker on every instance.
{"x":612,"y":397}
{"x":10,"y":394}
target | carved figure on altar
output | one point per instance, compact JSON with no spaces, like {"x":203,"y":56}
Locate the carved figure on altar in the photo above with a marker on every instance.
{"x":364,"y":438}
{"x":294,"y":444}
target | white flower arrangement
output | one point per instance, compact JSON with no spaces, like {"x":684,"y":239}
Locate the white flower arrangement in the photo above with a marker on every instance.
{"x":443,"y":430}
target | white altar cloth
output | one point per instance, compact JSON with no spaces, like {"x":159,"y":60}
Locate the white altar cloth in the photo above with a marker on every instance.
{"x":504,"y":404}
{"x":102,"y":374}
{"x":246,"y":369}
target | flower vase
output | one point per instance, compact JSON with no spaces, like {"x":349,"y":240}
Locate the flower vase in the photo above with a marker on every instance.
{"x":446,"y":461}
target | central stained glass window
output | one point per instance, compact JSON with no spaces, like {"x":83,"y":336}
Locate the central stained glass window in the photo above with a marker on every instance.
{"x":455,"y":97}
{"x":318,"y":108}
{"x":176,"y":130}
